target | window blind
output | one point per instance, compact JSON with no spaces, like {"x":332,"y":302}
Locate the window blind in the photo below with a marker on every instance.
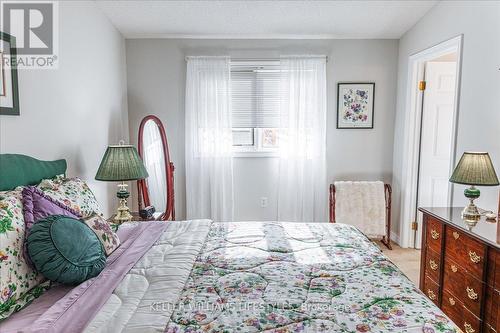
{"x":255,"y":95}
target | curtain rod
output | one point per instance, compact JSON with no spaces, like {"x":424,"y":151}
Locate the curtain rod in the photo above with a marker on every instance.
{"x":259,"y":59}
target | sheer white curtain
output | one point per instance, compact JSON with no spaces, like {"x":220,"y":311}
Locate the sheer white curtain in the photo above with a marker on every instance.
{"x":303,"y":190}
{"x":209,"y":164}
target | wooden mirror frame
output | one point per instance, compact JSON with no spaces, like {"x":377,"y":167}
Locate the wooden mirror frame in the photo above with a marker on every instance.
{"x":142,"y":187}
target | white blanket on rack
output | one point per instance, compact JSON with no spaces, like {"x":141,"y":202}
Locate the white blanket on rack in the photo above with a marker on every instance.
{"x":361,"y":204}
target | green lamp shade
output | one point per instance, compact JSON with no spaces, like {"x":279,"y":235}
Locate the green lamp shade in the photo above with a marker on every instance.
{"x":121,"y":163}
{"x":475,"y":168}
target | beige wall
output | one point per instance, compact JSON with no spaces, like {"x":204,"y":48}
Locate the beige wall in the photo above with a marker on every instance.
{"x":156,"y":72}
{"x":74,"y":112}
{"x":479,"y":105}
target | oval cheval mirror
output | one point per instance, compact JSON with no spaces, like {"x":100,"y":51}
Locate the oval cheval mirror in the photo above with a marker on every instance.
{"x":158,"y":189}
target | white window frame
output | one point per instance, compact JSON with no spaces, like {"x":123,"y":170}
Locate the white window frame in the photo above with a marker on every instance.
{"x":257,"y":149}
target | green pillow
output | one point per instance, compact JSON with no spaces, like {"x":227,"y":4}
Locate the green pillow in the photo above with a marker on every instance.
{"x":65,"y":250}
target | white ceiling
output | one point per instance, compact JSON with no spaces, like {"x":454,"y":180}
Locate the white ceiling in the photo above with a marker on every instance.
{"x":264,"y":19}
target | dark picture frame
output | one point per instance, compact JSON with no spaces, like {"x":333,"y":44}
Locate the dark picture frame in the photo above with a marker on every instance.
{"x":10,"y":90}
{"x":356,"y":106}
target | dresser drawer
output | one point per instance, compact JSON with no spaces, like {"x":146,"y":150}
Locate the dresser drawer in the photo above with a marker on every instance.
{"x":467,"y":252}
{"x":471,"y":323}
{"x":463,"y":286}
{"x":489,"y":329}
{"x":452,"y":307}
{"x":493,"y":278}
{"x":431,"y":289}
{"x":459,"y":314}
{"x":433,"y":265}
{"x":492,"y":307}
{"x":434,"y":234}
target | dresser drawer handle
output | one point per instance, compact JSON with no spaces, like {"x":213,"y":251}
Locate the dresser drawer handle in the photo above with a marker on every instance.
{"x":456,"y":235}
{"x":433,"y":265}
{"x":474,"y":257}
{"x":471,"y":293}
{"x":452,"y":300}
{"x":454,"y":268}
{"x":468,"y":328}
{"x":431,"y":295}
{"x":434,"y":234}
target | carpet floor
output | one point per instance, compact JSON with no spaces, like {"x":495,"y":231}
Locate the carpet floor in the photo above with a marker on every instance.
{"x":407,"y":260}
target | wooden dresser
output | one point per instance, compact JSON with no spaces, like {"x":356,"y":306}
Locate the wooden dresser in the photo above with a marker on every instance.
{"x":460,"y":269}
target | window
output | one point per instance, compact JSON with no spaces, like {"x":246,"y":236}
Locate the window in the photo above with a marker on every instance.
{"x":255,"y":102}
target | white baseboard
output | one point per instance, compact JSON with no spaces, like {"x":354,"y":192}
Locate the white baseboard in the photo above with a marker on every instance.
{"x":394,"y":237}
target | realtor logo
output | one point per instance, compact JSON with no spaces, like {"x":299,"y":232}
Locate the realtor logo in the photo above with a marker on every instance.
{"x":34,"y":24}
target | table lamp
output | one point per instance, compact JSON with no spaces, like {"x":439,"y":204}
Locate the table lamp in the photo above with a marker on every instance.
{"x":121,"y":163}
{"x":475,"y":169}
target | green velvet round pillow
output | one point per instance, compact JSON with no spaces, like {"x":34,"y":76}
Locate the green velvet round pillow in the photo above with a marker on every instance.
{"x":65,"y":250}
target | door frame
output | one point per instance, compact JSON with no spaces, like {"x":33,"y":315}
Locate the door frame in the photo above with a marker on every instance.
{"x":412,"y":130}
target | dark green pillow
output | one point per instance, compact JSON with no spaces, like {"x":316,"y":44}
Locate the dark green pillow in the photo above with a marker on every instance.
{"x":65,"y":250}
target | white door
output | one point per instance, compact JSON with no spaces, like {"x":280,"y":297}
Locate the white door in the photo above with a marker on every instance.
{"x":436,"y":145}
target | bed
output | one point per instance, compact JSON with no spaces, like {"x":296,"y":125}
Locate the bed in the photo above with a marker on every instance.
{"x":204,"y":276}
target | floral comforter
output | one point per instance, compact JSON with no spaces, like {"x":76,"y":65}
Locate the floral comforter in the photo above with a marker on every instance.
{"x":298,"y":277}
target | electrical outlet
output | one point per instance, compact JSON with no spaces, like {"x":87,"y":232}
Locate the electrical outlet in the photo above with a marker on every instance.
{"x":263,"y":202}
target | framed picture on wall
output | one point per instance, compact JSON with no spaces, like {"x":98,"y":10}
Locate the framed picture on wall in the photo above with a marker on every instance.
{"x":355,"y":105}
{"x":2,"y":76}
{"x":9,"y":91}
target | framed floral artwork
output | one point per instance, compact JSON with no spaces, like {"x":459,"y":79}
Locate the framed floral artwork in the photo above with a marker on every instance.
{"x":9,"y":92}
{"x":355,"y":105}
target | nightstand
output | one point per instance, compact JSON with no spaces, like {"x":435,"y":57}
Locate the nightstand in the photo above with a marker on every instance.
{"x":136,"y":217}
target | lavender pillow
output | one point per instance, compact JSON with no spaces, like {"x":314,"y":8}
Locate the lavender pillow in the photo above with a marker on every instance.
{"x":37,"y":206}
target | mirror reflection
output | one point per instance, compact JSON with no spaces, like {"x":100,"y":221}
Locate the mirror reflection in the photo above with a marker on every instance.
{"x":154,"y":161}
{"x":156,"y":193}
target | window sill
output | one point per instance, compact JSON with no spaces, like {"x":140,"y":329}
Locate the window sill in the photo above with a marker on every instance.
{"x":257,"y":154}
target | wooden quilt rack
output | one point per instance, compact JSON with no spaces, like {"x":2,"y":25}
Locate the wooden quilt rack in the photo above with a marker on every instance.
{"x":386,"y":240}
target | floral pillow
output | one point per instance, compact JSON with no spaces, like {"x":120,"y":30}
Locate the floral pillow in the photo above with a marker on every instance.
{"x":102,"y":229}
{"x":73,"y":192}
{"x":37,"y":206}
{"x":19,"y":283}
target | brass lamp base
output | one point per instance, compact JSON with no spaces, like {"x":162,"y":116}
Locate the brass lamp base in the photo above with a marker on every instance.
{"x":123,"y":212}
{"x":471,"y":214}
